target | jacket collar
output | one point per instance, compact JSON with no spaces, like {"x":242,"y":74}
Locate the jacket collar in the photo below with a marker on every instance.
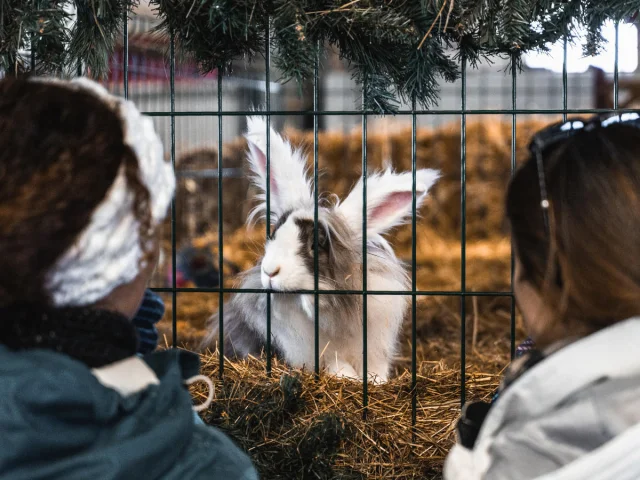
{"x":134,"y":374}
{"x":609,"y":353}
{"x":128,"y":376}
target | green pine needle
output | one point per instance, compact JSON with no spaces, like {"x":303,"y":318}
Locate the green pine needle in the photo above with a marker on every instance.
{"x":395,"y":49}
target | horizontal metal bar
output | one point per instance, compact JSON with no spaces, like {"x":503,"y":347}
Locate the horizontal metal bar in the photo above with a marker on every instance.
{"x":508,"y":111}
{"x":444,"y":293}
{"x":210,"y":173}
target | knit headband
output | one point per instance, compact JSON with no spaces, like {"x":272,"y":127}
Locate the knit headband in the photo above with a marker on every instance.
{"x":108,"y":253}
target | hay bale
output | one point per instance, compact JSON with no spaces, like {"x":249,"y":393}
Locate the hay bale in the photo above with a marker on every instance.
{"x":488,"y":169}
{"x":197,"y":198}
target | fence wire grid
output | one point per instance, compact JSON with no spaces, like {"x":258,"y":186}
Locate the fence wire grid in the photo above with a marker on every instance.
{"x":463,"y":113}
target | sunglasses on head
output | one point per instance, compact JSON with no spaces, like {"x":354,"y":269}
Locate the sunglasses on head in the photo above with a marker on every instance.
{"x":559,"y":132}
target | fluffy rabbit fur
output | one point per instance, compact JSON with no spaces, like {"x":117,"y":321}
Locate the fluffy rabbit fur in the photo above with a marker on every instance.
{"x":288,"y":265}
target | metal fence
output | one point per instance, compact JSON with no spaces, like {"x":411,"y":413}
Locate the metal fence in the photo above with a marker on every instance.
{"x":487,"y":88}
{"x":412,"y":114}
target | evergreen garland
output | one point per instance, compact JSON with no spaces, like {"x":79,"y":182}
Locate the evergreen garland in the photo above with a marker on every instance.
{"x":61,"y":34}
{"x":395,"y":49}
{"x":96,"y":31}
{"x":22,"y":25}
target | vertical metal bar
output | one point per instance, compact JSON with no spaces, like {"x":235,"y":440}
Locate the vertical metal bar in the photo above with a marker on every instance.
{"x":365,"y":385}
{"x":463,"y":230}
{"x":172,"y":87}
{"x":316,"y":298}
{"x":125,"y":53}
{"x":513,"y":169}
{"x":414,"y":302}
{"x":564,"y":81}
{"x":267,"y":60}
{"x":33,"y":49}
{"x":616,"y":91}
{"x":220,"y":233}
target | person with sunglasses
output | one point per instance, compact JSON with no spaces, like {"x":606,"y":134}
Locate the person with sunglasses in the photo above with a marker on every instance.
{"x":569,"y":406}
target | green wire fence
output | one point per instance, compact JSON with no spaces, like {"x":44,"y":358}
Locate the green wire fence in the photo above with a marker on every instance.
{"x":463,"y":113}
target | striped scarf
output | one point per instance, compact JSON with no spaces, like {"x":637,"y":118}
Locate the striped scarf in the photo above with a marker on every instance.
{"x":522,"y":349}
{"x":149,"y":314}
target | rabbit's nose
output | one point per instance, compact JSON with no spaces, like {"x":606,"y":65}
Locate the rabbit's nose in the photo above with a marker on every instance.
{"x":273,"y":273}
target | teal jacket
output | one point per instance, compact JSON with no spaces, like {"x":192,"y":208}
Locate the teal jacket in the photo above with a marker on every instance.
{"x":131,"y":420}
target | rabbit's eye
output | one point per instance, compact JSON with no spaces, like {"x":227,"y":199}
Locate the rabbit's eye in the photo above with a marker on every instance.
{"x":323,"y":238}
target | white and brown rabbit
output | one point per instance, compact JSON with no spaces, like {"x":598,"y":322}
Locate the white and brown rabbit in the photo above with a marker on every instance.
{"x":288,"y":265}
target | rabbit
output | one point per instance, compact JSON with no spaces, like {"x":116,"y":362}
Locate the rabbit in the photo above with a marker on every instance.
{"x":288,"y":265}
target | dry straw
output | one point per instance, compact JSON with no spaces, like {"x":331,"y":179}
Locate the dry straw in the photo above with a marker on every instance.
{"x":296,"y":426}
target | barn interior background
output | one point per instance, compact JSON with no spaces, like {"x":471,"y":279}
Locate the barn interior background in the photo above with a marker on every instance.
{"x":462,"y":332}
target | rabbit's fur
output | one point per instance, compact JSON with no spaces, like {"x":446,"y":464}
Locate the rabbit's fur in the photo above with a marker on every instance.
{"x":290,"y":253}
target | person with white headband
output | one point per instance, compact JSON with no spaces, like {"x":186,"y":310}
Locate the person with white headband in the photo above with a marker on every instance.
{"x":83,"y":188}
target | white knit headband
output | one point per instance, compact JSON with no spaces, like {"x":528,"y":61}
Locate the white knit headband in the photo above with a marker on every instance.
{"x":107,"y":253}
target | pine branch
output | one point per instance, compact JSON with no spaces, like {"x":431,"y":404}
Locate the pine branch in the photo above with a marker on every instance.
{"x":36,"y":31}
{"x":296,"y":52}
{"x":215,"y":32}
{"x":394,"y":49}
{"x":596,"y":13}
{"x":93,"y":37}
{"x":514,"y":23}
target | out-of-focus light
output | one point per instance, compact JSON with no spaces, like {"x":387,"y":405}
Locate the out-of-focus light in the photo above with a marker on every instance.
{"x":578,"y":63}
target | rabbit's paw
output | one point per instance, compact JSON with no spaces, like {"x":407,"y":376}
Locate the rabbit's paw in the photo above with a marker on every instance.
{"x":342,"y":369}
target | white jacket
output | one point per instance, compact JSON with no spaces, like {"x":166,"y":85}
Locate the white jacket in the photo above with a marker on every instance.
{"x":573,"y":416}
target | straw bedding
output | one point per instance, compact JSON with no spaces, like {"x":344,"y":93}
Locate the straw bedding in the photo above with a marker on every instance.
{"x":297,"y":426}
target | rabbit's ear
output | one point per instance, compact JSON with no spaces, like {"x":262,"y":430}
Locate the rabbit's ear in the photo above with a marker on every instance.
{"x":288,"y":184}
{"x":389,"y":199}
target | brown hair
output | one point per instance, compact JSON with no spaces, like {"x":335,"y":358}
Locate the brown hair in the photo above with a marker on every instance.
{"x":60,"y":151}
{"x":587,"y":268}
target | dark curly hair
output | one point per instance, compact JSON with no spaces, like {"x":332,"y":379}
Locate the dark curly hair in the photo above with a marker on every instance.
{"x":60,"y":152}
{"x":588,"y":268}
